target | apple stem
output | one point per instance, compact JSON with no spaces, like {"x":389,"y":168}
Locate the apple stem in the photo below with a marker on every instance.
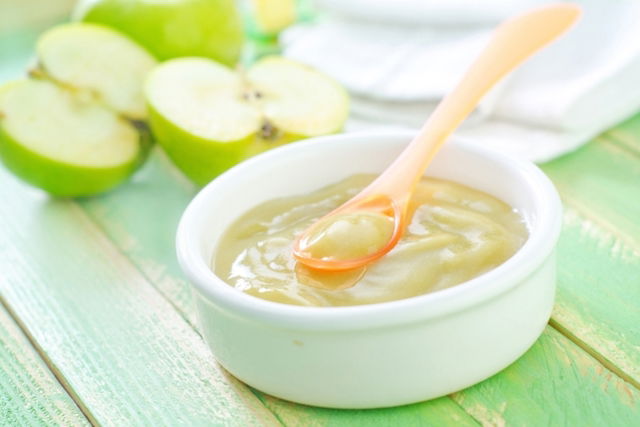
{"x":39,"y":72}
{"x":83,"y":95}
{"x":268,"y":131}
{"x":36,"y":72}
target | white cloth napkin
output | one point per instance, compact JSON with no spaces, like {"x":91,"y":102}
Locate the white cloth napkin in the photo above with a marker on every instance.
{"x":399,"y":57}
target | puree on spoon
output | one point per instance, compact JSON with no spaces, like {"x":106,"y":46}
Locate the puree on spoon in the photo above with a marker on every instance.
{"x":351,"y":235}
{"x":455,"y":233}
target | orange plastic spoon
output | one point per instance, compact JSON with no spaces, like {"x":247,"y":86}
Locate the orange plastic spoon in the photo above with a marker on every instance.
{"x":513,"y":42}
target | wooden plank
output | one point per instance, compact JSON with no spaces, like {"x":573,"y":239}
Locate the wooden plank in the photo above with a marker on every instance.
{"x":121,"y":216}
{"x":598,"y":293}
{"x":151,"y":204}
{"x":627,"y":134}
{"x":113,"y":339}
{"x":599,"y":253}
{"x":555,"y":383}
{"x":602,"y":180}
{"x":436,"y":413}
{"x":30,"y":395}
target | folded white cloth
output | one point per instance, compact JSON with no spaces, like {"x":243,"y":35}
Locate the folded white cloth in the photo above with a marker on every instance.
{"x":399,"y":57}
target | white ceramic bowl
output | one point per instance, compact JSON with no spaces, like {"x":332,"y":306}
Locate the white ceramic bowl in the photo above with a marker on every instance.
{"x":376,"y":355}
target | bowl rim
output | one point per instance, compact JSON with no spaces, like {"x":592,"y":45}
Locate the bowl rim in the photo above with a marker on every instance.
{"x":534,"y":252}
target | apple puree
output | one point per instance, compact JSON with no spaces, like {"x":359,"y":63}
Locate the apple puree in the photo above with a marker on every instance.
{"x":455,"y":234}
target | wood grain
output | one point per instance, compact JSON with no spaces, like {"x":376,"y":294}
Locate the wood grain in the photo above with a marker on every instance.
{"x":141,"y":218}
{"x":30,"y":395}
{"x":602,"y":180}
{"x":553,"y":384}
{"x":436,"y":413}
{"x":147,"y":243}
{"x":113,"y":339}
{"x":599,"y":293}
{"x":599,"y":253}
{"x":627,"y":134}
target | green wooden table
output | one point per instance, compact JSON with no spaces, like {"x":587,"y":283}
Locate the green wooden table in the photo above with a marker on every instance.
{"x":97,"y":323}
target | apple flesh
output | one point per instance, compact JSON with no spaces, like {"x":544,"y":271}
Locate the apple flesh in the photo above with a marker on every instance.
{"x":208,"y":117}
{"x":175,"y":28}
{"x":74,"y":128}
{"x":99,"y":61}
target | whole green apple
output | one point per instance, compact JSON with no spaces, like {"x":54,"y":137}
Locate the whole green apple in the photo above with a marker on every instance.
{"x":173,"y":28}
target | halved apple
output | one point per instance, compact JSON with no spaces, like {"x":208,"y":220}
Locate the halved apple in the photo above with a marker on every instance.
{"x":208,"y":117}
{"x":75,"y":127}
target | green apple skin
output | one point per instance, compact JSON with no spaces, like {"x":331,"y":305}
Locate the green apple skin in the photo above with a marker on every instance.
{"x":169,"y":29}
{"x":64,"y":179}
{"x":200,"y":159}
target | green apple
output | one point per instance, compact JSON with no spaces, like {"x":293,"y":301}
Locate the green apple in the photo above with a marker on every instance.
{"x":173,"y":28}
{"x":208,"y":117}
{"x":75,"y":127}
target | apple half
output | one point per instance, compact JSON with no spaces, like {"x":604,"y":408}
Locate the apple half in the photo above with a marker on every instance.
{"x":208,"y":117}
{"x":75,"y":126}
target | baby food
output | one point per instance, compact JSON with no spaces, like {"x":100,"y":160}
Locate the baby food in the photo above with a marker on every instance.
{"x":455,"y":234}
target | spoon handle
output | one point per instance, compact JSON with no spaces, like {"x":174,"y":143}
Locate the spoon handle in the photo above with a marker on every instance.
{"x":512,"y":43}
